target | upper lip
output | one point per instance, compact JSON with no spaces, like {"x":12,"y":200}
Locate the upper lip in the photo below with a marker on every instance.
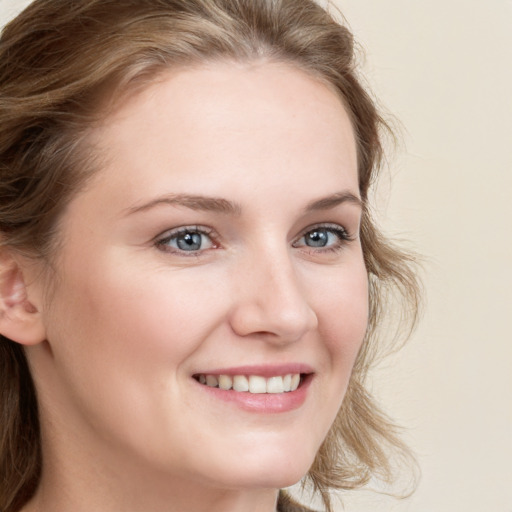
{"x":261,"y":370}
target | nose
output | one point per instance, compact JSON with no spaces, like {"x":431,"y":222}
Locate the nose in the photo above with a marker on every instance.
{"x":270,"y":301}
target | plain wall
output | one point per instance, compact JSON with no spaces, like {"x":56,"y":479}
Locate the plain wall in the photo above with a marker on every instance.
{"x":444,"y":68}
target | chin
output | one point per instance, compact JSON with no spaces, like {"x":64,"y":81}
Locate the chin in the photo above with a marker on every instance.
{"x":269,"y":468}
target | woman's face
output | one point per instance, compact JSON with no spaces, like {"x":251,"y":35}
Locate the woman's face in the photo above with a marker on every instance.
{"x":219,"y":243}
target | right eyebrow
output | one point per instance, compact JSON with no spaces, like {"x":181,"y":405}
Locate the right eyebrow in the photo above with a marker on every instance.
{"x":193,"y":202}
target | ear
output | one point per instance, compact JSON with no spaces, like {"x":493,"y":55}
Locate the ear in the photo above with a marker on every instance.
{"x":20,"y":319}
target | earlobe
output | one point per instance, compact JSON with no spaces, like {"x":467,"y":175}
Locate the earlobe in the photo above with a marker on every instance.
{"x":20,"y":318}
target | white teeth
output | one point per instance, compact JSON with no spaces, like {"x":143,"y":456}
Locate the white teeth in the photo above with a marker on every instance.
{"x":225,"y":382}
{"x":295,"y":382}
{"x":253,"y":383}
{"x":240,"y":383}
{"x":257,"y":384}
{"x":287,"y":382}
{"x":275,"y":385}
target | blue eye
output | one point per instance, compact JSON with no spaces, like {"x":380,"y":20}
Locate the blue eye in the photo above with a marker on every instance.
{"x":323,"y":238}
{"x":318,"y":238}
{"x":186,"y":240}
{"x":189,"y":241}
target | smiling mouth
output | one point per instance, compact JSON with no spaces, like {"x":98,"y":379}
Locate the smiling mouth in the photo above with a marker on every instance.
{"x":255,"y":384}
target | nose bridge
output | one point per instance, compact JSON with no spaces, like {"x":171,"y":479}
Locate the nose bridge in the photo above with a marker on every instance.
{"x":273,"y":300}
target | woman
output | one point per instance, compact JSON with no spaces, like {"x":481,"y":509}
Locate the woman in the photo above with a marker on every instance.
{"x":190,"y":277}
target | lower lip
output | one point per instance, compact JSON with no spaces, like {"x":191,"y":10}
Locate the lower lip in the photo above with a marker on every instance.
{"x":264,"y":403}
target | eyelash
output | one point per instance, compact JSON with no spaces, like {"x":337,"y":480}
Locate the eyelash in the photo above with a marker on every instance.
{"x":163,"y":243}
{"x":342,"y":235}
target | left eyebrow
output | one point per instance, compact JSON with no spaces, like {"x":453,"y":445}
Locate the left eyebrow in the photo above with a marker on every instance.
{"x":326,"y":203}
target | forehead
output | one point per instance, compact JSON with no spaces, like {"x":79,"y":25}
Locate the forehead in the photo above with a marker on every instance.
{"x":224,"y":93}
{"x":228,"y":118}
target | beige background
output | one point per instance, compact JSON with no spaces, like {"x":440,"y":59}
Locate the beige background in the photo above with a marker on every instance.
{"x":444,"y":68}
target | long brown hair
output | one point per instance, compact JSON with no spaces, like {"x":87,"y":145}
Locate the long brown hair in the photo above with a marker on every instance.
{"x":59,"y":61}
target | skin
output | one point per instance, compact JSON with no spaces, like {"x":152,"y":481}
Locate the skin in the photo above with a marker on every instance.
{"x":125,"y":425}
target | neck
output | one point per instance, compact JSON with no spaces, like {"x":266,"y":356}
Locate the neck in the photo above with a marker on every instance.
{"x":177,"y":497}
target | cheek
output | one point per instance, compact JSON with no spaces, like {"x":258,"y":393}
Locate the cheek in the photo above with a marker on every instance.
{"x":138,"y":322}
{"x":342,"y":310}
{"x":121,"y":345}
{"x":137,"y":319}
{"x":343,"y":314}
{"x":343,"y":321}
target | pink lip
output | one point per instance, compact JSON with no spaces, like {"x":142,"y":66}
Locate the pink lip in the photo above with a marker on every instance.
{"x":264,"y":403}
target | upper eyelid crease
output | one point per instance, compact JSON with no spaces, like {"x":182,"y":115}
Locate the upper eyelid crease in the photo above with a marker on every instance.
{"x":174,"y":232}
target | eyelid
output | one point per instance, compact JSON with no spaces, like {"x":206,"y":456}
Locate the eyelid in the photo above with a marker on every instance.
{"x":341,"y":231}
{"x":160,"y":240}
{"x":332,"y":226}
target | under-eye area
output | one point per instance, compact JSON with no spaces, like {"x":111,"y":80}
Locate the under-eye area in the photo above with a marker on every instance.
{"x":256,"y":384}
